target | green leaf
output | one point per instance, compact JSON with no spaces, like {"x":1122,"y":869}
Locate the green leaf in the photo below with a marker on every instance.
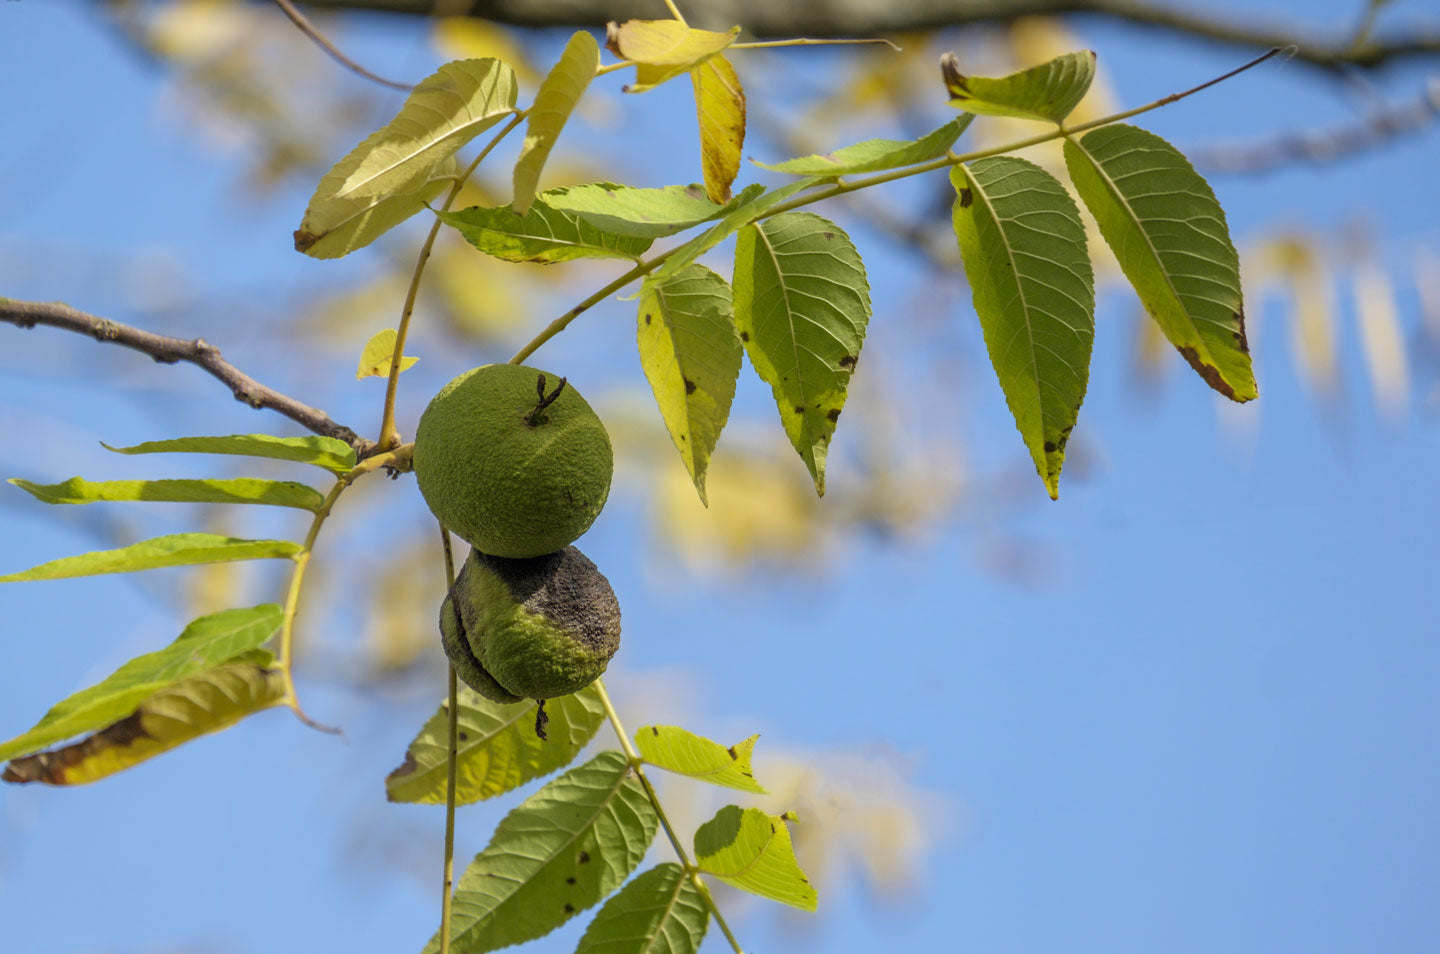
{"x":561,"y":851}
{"x":1023,"y":245}
{"x":663,"y":49}
{"x":1047,"y":92}
{"x":199,"y":705}
{"x":341,"y":226}
{"x":449,"y":108}
{"x":691,"y":357}
{"x":543,"y":234}
{"x":205,"y":642}
{"x":1168,"y":231}
{"x":242,"y":490}
{"x":660,"y":912}
{"x":646,"y":213}
{"x":720,"y":113}
{"x":554,"y":101}
{"x":751,"y":850}
{"x":379,"y":351}
{"x":178,"y":549}
{"x":737,"y":215}
{"x":802,"y":305}
{"x":498,"y":747}
{"x":677,"y":750}
{"x":876,"y":155}
{"x":334,"y":455}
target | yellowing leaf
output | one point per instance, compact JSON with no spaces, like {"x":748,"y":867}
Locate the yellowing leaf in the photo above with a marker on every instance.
{"x":554,"y":102}
{"x":379,"y":350}
{"x":663,"y":49}
{"x":720,"y":109}
{"x":1381,"y":340}
{"x":678,"y":750}
{"x":752,"y":851}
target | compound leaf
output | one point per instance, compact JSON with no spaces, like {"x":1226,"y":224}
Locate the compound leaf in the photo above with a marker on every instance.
{"x":334,"y":455}
{"x":720,"y":112}
{"x":678,"y":750}
{"x":177,"y":549}
{"x":561,"y":89}
{"x":691,"y":357}
{"x":562,"y":850}
{"x":752,"y":851}
{"x":240,"y":490}
{"x":875,"y":155}
{"x":1023,"y":245}
{"x":802,"y":304}
{"x":660,"y":912}
{"x":543,"y":234}
{"x":1167,"y":229}
{"x":498,"y":748}
{"x":747,"y":207}
{"x":1047,"y":92}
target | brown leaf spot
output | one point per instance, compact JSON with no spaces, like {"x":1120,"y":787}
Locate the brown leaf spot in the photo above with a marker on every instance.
{"x":570,"y":880}
{"x":744,"y":336}
{"x":655,"y":730}
{"x":828,"y":235}
{"x":51,"y":767}
{"x":647,"y":319}
{"x":966,"y":197}
{"x":733,"y":753}
{"x":849,"y":361}
{"x":1240,"y":338}
{"x":569,"y":908}
{"x":1051,"y":447}
{"x":303,"y":240}
{"x":1210,"y":373}
{"x":833,"y":414}
{"x":612,"y":38}
{"x":689,"y":386}
{"x":799,"y":409}
{"x":584,"y":857}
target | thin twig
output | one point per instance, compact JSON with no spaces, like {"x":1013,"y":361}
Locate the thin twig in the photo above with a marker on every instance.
{"x":805,"y":41}
{"x":452,"y":759}
{"x":167,"y":350}
{"x":308,"y":28}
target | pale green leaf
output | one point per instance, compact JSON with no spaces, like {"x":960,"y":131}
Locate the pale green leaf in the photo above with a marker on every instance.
{"x":555,"y":100}
{"x":737,"y":215}
{"x":449,"y":108}
{"x":379,"y":351}
{"x":201,"y":704}
{"x":343,"y":225}
{"x":691,"y":356}
{"x":802,"y":305}
{"x":720,"y":112}
{"x":498,"y":748}
{"x":562,"y":850}
{"x":241,"y":490}
{"x":677,"y":750}
{"x":1047,"y":92}
{"x":1168,"y":231}
{"x":752,"y":851}
{"x":876,"y":155}
{"x":1023,"y":245}
{"x":543,"y":234}
{"x":663,"y":49}
{"x":659,"y":912}
{"x":178,"y":549}
{"x":327,"y":452}
{"x":647,"y":213}
{"x":205,"y":642}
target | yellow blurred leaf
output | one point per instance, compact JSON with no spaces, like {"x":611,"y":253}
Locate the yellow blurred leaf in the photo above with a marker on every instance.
{"x":720,"y":109}
{"x":379,"y":350}
{"x":463,"y":38}
{"x":1381,"y":341}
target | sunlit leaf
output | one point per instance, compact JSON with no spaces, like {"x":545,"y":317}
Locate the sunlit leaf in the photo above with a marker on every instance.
{"x":659,"y":912}
{"x":691,"y":357}
{"x":802,"y":304}
{"x":663,"y":49}
{"x":876,"y":155}
{"x":648,"y":213}
{"x":747,"y":207}
{"x":498,"y":749}
{"x":448,"y":109}
{"x":720,"y":111}
{"x":1168,"y":232}
{"x":562,"y":850}
{"x":205,"y":642}
{"x":198,"y":705}
{"x":543,"y":234}
{"x":555,"y":100}
{"x":377,"y":354}
{"x":241,"y":490}
{"x":677,"y":750}
{"x":1047,"y":92}
{"x":355,"y":222}
{"x":179,"y":549}
{"x":752,"y":851}
{"x":1023,"y":244}
{"x":327,"y":452}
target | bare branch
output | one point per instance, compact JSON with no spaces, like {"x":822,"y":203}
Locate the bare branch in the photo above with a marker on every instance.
{"x":830,"y":18}
{"x":308,"y":28}
{"x":166,"y":350}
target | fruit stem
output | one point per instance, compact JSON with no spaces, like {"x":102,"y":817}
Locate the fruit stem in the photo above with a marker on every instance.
{"x":537,"y":416}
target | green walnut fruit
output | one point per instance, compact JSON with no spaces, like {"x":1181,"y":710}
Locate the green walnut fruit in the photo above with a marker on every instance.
{"x":512,"y":460}
{"x":530,"y":629}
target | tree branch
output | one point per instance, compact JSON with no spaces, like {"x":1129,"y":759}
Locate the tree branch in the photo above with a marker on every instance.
{"x":830,"y":18}
{"x":319,"y":39}
{"x":166,"y":350}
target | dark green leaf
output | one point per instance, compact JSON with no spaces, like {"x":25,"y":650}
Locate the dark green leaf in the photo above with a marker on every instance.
{"x":243,"y":490}
{"x":1047,"y":92}
{"x":645,"y":213}
{"x":542,"y":235}
{"x":738,"y":214}
{"x":660,"y":912}
{"x":179,"y":549}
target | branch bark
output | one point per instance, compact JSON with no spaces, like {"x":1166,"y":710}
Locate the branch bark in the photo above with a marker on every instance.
{"x":832,"y":18}
{"x":167,"y":350}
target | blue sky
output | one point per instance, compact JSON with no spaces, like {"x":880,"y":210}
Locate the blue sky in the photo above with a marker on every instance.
{"x":1212,"y":726}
